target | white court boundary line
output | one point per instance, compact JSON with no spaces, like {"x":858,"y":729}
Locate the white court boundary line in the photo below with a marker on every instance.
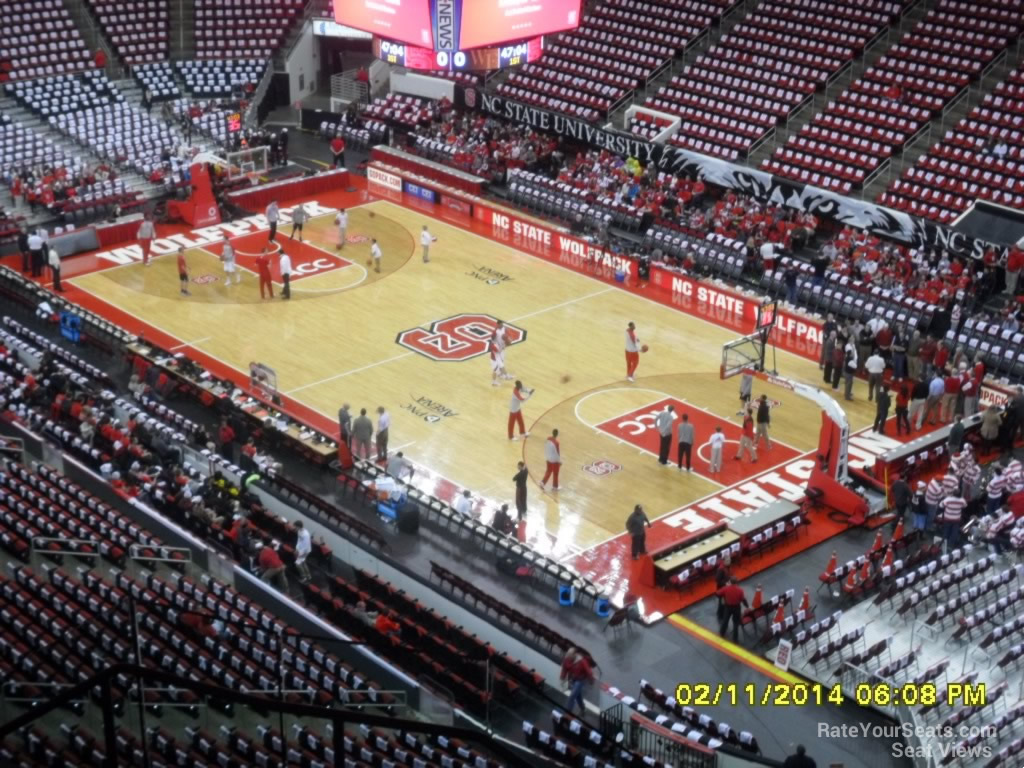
{"x":191,"y":343}
{"x":343,"y":375}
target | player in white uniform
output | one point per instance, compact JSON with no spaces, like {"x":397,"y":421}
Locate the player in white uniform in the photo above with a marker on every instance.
{"x":497,"y":362}
{"x":341,"y":222}
{"x":375,"y":254}
{"x":497,"y":349}
{"x":632,"y":352}
{"x":230,"y":267}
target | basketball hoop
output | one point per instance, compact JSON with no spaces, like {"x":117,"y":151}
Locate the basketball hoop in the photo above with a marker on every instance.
{"x":744,"y":353}
{"x":253,"y":177}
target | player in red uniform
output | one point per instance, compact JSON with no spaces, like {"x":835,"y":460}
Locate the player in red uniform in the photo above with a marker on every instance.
{"x":553,"y":459}
{"x":520,"y":395}
{"x":263,"y":268}
{"x":183,"y":271}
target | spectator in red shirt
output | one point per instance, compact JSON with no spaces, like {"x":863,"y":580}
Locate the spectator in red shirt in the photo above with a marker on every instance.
{"x":927,"y":354}
{"x":883,"y":340}
{"x":903,"y":389}
{"x":272,"y":565}
{"x":1016,"y":504}
{"x":950,"y":397}
{"x":1014,"y":264}
{"x":747,"y":443}
{"x":576,"y":672}
{"x":236,"y":527}
{"x":338,"y":151}
{"x":201,"y":624}
{"x":226,"y":438}
{"x":696,"y":194}
{"x":387,"y":626}
{"x":100,"y":59}
{"x":941,"y":356}
{"x":733,"y":599}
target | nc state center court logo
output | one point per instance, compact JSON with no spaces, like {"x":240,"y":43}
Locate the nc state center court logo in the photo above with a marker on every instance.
{"x":457,"y":338}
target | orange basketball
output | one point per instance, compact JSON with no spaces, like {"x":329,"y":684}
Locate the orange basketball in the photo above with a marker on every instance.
{"x":369,"y":262}
{"x":644,"y":348}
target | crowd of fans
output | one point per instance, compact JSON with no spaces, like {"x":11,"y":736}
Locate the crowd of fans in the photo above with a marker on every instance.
{"x":142,"y":459}
{"x":686,"y":204}
{"x":486,"y":146}
{"x":930,"y":275}
{"x":50,"y":187}
{"x":985,"y":502}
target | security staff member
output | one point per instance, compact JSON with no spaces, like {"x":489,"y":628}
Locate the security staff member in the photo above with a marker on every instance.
{"x":35,"y":249}
{"x":733,"y":600}
{"x":286,"y":275}
{"x":54,"y":261}
{"x":635,"y":527}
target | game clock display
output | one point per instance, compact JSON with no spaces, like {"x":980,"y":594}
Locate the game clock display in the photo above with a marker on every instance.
{"x":417,"y":58}
{"x":766,"y":315}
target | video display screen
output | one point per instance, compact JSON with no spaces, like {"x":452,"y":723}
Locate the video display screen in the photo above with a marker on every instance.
{"x":487,"y":22}
{"x":408,"y":21}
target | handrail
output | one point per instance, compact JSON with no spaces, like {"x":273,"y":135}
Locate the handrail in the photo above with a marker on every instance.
{"x":252,"y":111}
{"x":307,"y":16}
{"x":83,"y":14}
{"x":103,"y":680}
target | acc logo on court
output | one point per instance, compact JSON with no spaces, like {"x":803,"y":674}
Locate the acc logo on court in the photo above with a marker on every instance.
{"x":601,"y":467}
{"x":457,"y":338}
{"x":204,"y":279}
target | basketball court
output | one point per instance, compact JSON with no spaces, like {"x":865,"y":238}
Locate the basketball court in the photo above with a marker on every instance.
{"x":413,"y":339}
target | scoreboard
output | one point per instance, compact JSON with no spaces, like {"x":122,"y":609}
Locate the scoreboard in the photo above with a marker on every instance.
{"x":495,"y":57}
{"x":458,"y":34}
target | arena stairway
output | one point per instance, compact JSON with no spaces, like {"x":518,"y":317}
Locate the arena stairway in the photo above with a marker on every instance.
{"x":183,"y":30}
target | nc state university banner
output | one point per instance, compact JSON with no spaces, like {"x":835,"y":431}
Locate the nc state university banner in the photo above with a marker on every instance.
{"x":880,"y":221}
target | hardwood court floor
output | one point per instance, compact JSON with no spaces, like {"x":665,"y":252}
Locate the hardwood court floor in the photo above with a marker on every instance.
{"x":336,"y":342}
